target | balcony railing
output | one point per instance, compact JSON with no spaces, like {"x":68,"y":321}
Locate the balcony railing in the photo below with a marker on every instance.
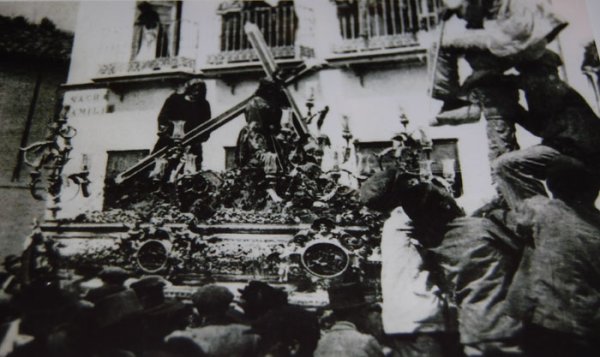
{"x":380,"y":24}
{"x":163,"y":64}
{"x":166,"y":54}
{"x":278,"y":25}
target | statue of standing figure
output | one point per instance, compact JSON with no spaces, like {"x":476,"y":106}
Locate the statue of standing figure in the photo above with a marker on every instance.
{"x":259,"y":145}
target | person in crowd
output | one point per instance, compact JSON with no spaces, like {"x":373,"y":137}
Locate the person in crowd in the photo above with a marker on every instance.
{"x":112,"y":280}
{"x":117,"y":325}
{"x":39,"y":261}
{"x":477,"y":258}
{"x":480,"y":256}
{"x":557,"y":114}
{"x":258,"y":146}
{"x":148,"y":33}
{"x":213,"y":305}
{"x":219,"y":334}
{"x":287,"y":331}
{"x":52,"y":322}
{"x":257,"y":298}
{"x":188,"y":106}
{"x":160,"y":316}
{"x":498,"y":34}
{"x":346,"y":337}
{"x":9,"y":279}
{"x":555,"y":291}
{"x":415,"y":315}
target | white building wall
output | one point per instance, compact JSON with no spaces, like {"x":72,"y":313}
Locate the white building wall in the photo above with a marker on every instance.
{"x":372,"y":98}
{"x":103,"y":35}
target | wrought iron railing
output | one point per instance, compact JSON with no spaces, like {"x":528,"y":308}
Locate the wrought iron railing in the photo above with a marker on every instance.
{"x":163,"y":64}
{"x":278,"y":25}
{"x":380,"y":24}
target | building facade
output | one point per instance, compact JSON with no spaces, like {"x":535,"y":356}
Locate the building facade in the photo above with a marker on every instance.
{"x":34,"y":62}
{"x":374,"y":57}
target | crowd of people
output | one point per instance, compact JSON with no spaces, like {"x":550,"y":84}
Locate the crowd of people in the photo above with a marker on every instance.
{"x":126,"y":316}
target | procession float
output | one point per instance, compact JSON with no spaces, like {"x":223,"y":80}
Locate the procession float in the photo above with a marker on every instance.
{"x":302,"y":229}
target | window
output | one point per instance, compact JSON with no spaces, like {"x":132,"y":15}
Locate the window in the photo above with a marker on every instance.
{"x":277,"y":23}
{"x":385,"y":23}
{"x":156,"y":33}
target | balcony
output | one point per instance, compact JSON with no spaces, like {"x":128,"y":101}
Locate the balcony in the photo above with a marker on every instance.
{"x":278,"y":25}
{"x":375,"y":25}
{"x":162,"y":65}
{"x":167,"y":55}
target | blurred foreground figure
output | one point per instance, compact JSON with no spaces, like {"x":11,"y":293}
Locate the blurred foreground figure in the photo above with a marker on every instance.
{"x":345,"y":337}
{"x":434,"y":258}
{"x":558,"y":115}
{"x":556,"y":291}
{"x":287,"y":331}
{"x":498,"y":35}
{"x":218,"y":335}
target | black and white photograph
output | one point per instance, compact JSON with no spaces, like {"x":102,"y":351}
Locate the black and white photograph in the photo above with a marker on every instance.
{"x":300,"y":178}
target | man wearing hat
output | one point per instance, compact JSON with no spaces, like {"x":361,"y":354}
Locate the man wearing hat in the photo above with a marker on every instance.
{"x":218,"y":334}
{"x":116,"y":324}
{"x":350,"y":313}
{"x":160,"y":316}
{"x":287,"y":331}
{"x":257,"y":298}
{"x":473,"y":253}
{"x":213,"y":305}
{"x":112,"y":279}
{"x":558,"y":115}
{"x":555,"y":291}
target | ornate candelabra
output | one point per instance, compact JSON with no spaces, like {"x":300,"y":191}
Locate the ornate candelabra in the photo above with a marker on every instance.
{"x":51,"y":155}
{"x":412,"y":152}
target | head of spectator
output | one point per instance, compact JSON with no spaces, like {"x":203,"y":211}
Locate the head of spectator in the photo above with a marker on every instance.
{"x":160,"y":316}
{"x":212,"y":303}
{"x":257,"y":298}
{"x":113,"y":275}
{"x":287,"y":331}
{"x":194,"y":90}
{"x":429,"y":206}
{"x":44,"y":306}
{"x":385,"y":190}
{"x":112,"y":279}
{"x":572,"y":182}
{"x":349,"y":304}
{"x":116,"y":308}
{"x":117,"y":321}
{"x":12,"y":264}
{"x":150,"y":291}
